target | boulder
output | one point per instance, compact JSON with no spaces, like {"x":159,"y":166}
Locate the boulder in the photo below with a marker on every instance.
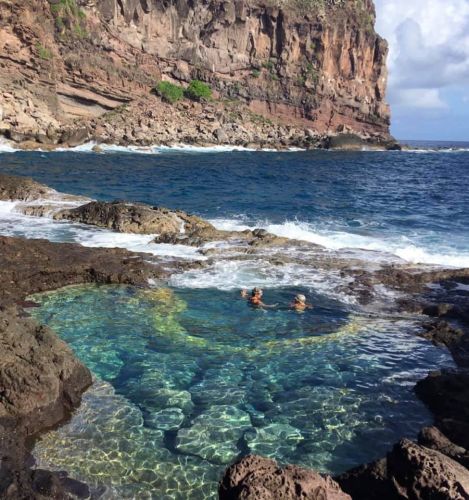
{"x":39,"y":374}
{"x":258,"y":478}
{"x":345,"y":141}
{"x":410,"y":471}
{"x":433,"y":438}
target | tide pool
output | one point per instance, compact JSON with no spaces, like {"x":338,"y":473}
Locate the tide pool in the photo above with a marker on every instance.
{"x":188,"y":380}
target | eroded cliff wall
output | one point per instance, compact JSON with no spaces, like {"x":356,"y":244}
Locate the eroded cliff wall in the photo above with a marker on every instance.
{"x":298,"y":69}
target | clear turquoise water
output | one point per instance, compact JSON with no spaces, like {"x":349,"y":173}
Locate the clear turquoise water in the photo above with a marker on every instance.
{"x":188,"y":380}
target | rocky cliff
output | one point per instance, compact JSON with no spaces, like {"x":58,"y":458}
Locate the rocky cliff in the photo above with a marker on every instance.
{"x":282,"y":72}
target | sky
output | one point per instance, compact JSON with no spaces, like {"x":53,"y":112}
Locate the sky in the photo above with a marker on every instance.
{"x":428,"y":64}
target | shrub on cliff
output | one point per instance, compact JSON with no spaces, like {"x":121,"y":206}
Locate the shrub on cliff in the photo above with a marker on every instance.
{"x":169,"y":92}
{"x":69,"y":17}
{"x":43,"y":52}
{"x":198,"y":91}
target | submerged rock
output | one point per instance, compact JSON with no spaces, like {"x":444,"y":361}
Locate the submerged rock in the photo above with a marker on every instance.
{"x":41,"y":380}
{"x":258,"y":478}
{"x":214,"y":434}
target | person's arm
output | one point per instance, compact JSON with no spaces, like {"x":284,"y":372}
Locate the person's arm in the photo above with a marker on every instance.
{"x":267,"y":306}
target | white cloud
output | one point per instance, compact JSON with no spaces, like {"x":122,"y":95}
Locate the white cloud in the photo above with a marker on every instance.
{"x":429,"y":48}
{"x":419,"y":98}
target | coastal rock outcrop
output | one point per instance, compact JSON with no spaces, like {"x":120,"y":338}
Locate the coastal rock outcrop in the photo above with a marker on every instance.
{"x":447,"y":396}
{"x":40,"y":377}
{"x":171,"y":226}
{"x":258,"y":478}
{"x":134,"y":218}
{"x":408,"y":471}
{"x":22,"y":188}
{"x":282,"y":73}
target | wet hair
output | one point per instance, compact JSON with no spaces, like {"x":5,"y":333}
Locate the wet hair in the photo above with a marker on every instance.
{"x":256,"y":291}
{"x":300,"y":298}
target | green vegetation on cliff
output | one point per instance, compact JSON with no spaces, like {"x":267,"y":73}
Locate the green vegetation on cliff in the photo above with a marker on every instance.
{"x":169,"y":92}
{"x":198,"y":91}
{"x":69,"y":17}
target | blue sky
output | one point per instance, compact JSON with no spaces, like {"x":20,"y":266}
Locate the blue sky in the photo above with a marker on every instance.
{"x":428,"y":65}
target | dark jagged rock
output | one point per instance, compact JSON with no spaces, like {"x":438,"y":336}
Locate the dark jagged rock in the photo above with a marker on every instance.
{"x":134,"y":218}
{"x":47,"y":266}
{"x":437,"y":310}
{"x":40,"y":377}
{"x":258,"y":478}
{"x":171,"y":226}
{"x":409,"y":471}
{"x":442,"y":333}
{"x":433,"y":438}
{"x":447,"y":396}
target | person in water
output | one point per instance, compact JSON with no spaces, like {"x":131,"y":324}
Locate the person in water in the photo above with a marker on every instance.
{"x":244,"y":293}
{"x":256,"y":298}
{"x":299,"y":303}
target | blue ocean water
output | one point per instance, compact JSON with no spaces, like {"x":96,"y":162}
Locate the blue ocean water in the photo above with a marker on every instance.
{"x":190,"y":380}
{"x":414,"y":204}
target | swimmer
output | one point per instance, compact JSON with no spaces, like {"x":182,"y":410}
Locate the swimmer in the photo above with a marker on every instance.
{"x":244,"y":293}
{"x":299,"y":303}
{"x":256,"y":299}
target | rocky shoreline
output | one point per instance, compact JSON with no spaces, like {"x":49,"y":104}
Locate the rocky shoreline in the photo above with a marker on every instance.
{"x":41,"y":381}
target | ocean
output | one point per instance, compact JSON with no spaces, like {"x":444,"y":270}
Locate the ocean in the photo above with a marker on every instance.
{"x":188,"y":377}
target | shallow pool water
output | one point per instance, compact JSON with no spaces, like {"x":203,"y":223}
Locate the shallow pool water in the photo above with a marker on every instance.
{"x":187,"y":380}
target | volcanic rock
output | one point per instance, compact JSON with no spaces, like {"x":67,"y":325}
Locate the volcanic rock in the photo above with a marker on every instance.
{"x":409,"y":471}
{"x":431,"y":437}
{"x":447,"y":396}
{"x":134,"y":218}
{"x":259,"y":478}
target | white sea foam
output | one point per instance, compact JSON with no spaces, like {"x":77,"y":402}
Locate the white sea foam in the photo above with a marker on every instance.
{"x":159,"y":149}
{"x":6,"y":146}
{"x":400,"y":246}
{"x":235,"y":275}
{"x":93,"y":147}
{"x":442,"y":150}
{"x":13,"y":223}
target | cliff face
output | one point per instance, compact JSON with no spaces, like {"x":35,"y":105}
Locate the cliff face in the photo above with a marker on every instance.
{"x":314,"y":65}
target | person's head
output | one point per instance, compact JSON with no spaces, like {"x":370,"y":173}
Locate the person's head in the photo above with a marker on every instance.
{"x":300,"y":299}
{"x":256,"y":292}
